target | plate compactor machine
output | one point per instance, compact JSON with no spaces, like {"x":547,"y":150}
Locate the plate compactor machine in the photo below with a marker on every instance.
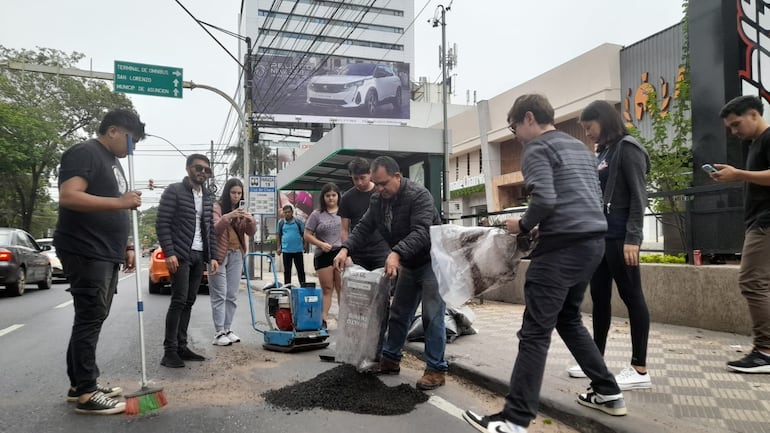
{"x":293,"y":314}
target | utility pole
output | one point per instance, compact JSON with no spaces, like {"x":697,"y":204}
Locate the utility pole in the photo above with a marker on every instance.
{"x":249,"y":74}
{"x":436,"y":22}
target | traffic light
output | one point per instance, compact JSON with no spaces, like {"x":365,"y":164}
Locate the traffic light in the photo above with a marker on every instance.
{"x":151,"y":184}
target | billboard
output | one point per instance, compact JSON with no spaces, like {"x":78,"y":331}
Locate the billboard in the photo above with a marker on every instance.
{"x":314,"y":88}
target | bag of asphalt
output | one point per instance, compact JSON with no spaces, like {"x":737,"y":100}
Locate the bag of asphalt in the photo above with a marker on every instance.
{"x":363,"y":307}
{"x":470,"y":261}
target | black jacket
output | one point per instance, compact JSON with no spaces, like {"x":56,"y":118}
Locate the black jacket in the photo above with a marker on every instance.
{"x":408,"y":235}
{"x":176,"y":222}
{"x":626,"y":186}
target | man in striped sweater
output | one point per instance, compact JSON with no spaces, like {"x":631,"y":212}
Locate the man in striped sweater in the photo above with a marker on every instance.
{"x":565,"y":213}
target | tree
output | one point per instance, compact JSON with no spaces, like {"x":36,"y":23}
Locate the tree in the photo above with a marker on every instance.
{"x":670,"y":147}
{"x":261,"y":159}
{"x":41,"y":115}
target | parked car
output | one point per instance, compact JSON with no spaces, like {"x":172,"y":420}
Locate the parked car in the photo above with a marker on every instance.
{"x":160,"y":278}
{"x":48,"y":249}
{"x":22,"y":262}
{"x":357,"y":85}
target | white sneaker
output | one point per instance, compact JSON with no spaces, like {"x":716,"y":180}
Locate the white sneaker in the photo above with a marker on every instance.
{"x":220,"y":339}
{"x":576,"y":372}
{"x":492,"y":424}
{"x":232,"y":337}
{"x":629,"y":378}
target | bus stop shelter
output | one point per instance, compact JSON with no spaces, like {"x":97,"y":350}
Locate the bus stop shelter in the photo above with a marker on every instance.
{"x":418,"y":151}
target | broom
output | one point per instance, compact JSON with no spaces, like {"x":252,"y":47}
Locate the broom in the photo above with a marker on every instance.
{"x":146,"y":399}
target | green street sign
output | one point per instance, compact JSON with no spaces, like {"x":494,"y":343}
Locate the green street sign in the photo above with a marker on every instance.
{"x":145,"y":79}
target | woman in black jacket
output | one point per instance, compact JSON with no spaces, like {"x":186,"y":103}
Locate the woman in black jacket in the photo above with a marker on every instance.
{"x":622,"y":163}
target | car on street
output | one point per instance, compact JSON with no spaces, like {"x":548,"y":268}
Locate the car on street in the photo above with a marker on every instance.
{"x":363,"y":86}
{"x":160,"y":278}
{"x":22,"y":262}
{"x":50,"y":250}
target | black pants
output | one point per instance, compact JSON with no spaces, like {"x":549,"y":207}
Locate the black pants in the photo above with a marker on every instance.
{"x":629,"y":282}
{"x":184,"y":289}
{"x":92,"y":284}
{"x":553,"y":291}
{"x":299,"y":262}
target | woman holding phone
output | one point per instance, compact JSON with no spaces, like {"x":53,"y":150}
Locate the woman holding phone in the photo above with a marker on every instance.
{"x":232,"y":222}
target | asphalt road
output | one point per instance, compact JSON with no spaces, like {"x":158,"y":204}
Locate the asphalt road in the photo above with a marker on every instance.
{"x":222,"y":394}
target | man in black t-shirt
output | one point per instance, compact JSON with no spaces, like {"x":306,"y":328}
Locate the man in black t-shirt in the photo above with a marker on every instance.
{"x":743,"y":117}
{"x":353,"y":206}
{"x":90,"y":238}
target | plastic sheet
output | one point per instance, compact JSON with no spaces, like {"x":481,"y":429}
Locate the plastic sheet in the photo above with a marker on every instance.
{"x":363,"y":305}
{"x":469,"y":261}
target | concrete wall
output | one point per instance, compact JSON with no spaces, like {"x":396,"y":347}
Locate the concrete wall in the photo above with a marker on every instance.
{"x":705,"y":297}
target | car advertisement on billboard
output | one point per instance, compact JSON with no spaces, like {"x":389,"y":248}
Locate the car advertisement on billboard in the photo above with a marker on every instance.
{"x":323,"y":89}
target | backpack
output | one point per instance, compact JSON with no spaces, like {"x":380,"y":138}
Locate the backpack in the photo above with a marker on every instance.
{"x":299,"y":227}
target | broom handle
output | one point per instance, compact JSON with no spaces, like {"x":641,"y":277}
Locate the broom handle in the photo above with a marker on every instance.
{"x":135,"y":224}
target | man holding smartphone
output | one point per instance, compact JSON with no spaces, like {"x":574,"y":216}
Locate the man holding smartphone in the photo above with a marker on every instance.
{"x":743,"y":117}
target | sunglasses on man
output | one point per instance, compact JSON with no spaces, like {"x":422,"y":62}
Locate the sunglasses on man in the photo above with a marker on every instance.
{"x":201,"y":168}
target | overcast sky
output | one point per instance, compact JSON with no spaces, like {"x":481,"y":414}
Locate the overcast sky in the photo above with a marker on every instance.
{"x":501,"y":43}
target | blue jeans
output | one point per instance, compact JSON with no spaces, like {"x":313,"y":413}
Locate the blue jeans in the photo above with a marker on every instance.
{"x":412,"y":286}
{"x":223,"y":289}
{"x":555,"y":284}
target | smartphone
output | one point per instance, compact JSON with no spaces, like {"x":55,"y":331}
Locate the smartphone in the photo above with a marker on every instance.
{"x":708,"y":168}
{"x":242,"y":204}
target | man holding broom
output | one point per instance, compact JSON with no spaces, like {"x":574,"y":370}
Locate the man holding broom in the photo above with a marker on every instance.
{"x":91,"y":236}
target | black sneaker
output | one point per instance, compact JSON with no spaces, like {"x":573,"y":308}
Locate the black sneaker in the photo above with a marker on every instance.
{"x":172,"y":360}
{"x":609,"y":404}
{"x":754,"y":362}
{"x":108,"y":391}
{"x":188,"y":355}
{"x":492,"y":424}
{"x":100,"y":404}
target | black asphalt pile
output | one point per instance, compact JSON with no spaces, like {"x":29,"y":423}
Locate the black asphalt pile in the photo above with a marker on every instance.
{"x":345,"y":389}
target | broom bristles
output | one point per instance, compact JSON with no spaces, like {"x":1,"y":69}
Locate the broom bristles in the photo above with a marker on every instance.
{"x":145,"y":400}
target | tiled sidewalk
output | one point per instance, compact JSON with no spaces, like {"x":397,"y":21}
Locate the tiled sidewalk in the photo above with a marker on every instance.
{"x":692,"y":390}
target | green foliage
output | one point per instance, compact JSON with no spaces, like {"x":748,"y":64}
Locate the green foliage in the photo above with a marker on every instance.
{"x":670,"y":146}
{"x":462,"y":192}
{"x":261,"y":159}
{"x":678,"y":259}
{"x":147,"y":232}
{"x":40,"y":116}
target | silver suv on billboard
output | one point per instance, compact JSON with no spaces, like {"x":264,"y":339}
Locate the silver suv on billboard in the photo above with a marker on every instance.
{"x":364,"y":86}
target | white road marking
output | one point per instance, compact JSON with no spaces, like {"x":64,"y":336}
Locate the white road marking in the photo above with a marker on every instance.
{"x":446,"y":406}
{"x":9,"y":329}
{"x":64,"y":304}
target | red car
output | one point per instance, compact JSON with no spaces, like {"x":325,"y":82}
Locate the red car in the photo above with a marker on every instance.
{"x":160,"y":278}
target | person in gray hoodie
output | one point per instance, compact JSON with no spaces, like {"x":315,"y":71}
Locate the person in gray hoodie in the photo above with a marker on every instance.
{"x":622,"y":164}
{"x":565,"y":212}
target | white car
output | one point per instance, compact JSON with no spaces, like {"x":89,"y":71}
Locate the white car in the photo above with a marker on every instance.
{"x":357,"y":85}
{"x":50,"y":251}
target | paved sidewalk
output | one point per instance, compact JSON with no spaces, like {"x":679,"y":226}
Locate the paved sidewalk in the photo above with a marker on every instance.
{"x":692,"y":391}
